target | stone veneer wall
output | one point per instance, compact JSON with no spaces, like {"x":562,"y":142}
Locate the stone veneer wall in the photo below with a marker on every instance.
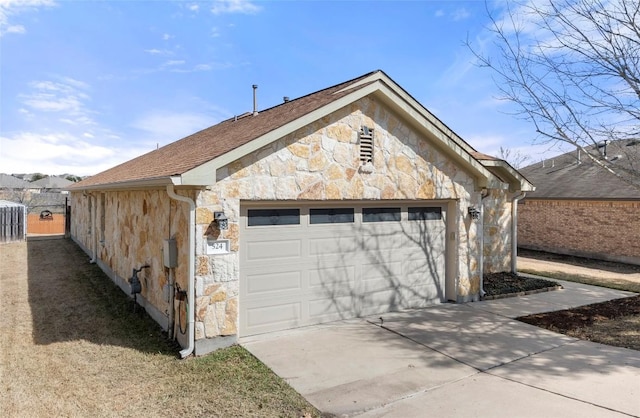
{"x":130,"y":227}
{"x":317,"y":162}
{"x":605,"y":230}
{"x":497,"y":231}
{"x":321,"y":162}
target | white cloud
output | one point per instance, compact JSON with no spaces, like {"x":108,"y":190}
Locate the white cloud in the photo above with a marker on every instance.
{"x":163,"y":126}
{"x":460,"y":14}
{"x":215,"y":32}
{"x":194,"y":7}
{"x":439,"y":13}
{"x":173,"y":62}
{"x":57,"y":153}
{"x":201,"y":67}
{"x":15,"y":29}
{"x":234,"y":6}
{"x":12,"y":8}
{"x":155,"y":51}
{"x":66,"y":96}
{"x":166,"y":37}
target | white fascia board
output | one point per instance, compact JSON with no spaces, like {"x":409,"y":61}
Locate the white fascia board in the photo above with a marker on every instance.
{"x":204,"y":174}
{"x":424,"y":112}
{"x":154,"y":183}
{"x":515,"y":178}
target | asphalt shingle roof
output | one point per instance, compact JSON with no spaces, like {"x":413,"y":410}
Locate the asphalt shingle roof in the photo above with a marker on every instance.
{"x":11,"y":182}
{"x":194,"y":150}
{"x":52,"y":182}
{"x":563,"y":178}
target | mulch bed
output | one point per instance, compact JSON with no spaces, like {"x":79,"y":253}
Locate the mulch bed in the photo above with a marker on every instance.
{"x":563,"y":321}
{"x":615,"y":322}
{"x":506,"y":284}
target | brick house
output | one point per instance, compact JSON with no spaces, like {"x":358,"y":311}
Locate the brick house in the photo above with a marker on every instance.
{"x":581,"y":208}
{"x":350,"y":201}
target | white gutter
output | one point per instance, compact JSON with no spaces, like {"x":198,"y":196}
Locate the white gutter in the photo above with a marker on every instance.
{"x":484,"y":194}
{"x":192,"y":259}
{"x":514,"y":231}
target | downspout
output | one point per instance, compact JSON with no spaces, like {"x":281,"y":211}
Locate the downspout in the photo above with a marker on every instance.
{"x":192,"y":258}
{"x":484,"y":194}
{"x":514,"y":231}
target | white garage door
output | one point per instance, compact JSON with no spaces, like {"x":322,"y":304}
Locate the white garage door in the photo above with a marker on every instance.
{"x":303,"y":265}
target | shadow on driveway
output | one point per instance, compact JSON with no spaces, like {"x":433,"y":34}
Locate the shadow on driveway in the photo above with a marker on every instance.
{"x":413,"y":363}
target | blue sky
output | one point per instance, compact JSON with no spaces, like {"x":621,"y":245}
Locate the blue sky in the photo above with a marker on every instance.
{"x":86,"y":85}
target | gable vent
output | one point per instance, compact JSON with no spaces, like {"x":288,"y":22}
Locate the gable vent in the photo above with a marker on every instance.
{"x":366,"y":145}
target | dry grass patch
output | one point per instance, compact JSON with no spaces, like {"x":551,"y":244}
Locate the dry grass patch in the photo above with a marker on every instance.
{"x":72,"y":346}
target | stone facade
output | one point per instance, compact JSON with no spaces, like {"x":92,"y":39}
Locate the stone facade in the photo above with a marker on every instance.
{"x":321,"y":162}
{"x":318,"y":162}
{"x":130,"y":227}
{"x":497,"y":231}
{"x":598,"y":229}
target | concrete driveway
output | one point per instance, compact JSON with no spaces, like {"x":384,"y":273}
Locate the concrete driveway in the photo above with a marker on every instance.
{"x":458,"y":361}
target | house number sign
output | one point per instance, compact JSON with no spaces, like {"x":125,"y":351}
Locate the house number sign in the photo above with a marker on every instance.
{"x":217,"y":246}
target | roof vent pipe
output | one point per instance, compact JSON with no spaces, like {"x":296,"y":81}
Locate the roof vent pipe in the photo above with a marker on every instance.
{"x":255,"y":100}
{"x":285,"y":99}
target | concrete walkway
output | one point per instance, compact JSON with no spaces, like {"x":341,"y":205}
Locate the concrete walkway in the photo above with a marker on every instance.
{"x":458,"y":361}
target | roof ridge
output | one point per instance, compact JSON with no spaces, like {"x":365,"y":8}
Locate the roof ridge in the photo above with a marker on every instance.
{"x":335,"y":86}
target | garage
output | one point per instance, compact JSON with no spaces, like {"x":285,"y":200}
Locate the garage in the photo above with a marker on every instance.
{"x":304,"y":264}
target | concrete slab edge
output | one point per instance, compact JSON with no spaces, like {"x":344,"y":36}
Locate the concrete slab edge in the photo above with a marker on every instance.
{"x":523,"y":293}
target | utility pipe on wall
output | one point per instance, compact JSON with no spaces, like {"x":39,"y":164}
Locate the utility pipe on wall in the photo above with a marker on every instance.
{"x":514,"y":231}
{"x":192,"y":257}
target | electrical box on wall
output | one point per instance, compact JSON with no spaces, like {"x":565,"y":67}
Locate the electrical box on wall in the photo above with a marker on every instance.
{"x":170,"y":253}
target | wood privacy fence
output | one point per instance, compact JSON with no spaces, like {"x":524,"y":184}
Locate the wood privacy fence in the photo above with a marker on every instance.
{"x":12,"y":223}
{"x":46,"y":226}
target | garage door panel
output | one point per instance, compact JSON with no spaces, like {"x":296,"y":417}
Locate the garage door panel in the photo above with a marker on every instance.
{"x":425,"y":266}
{"x":274,"y":249}
{"x":382,"y":301}
{"x":387,"y":241}
{"x":429,"y":292}
{"x":276,"y":315}
{"x":339,"y":276}
{"x":322,"y":272}
{"x":332,"y":246}
{"x":380,"y":271}
{"x":265,"y":284}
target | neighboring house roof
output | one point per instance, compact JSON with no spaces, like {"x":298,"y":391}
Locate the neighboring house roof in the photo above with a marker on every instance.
{"x":11,"y":182}
{"x":8,"y":204}
{"x":562,"y":177}
{"x":192,"y":160}
{"x":51,"y":182}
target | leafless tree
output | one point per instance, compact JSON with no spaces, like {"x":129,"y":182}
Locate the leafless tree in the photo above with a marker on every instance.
{"x":572,"y":68}
{"x":516,"y":158}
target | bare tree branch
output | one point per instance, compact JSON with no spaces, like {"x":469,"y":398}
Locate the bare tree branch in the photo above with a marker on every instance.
{"x":572,"y":68}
